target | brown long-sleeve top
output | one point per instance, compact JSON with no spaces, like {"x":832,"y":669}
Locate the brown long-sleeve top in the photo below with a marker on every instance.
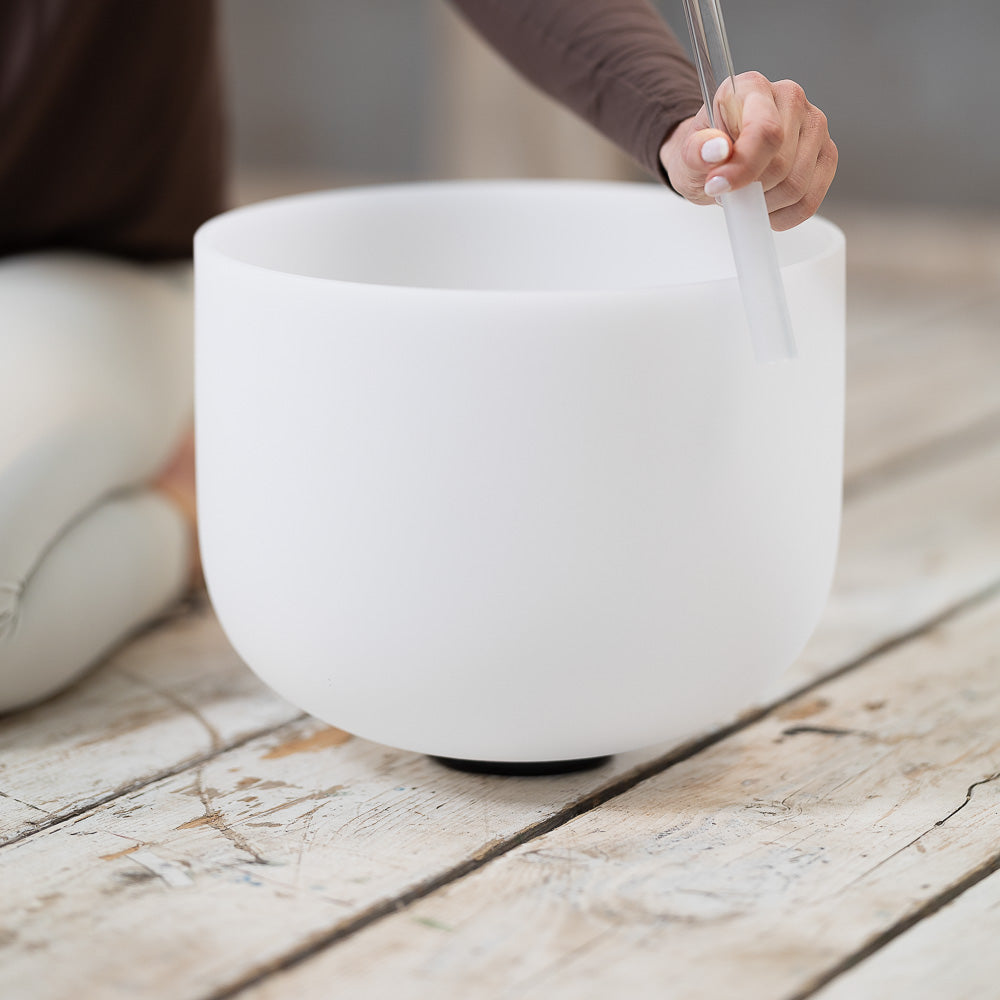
{"x":111,"y":126}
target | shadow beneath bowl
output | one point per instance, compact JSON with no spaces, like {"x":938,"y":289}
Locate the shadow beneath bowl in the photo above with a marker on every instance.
{"x":523,"y":768}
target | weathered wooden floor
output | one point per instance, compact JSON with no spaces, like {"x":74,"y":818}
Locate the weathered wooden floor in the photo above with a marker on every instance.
{"x":171,"y":829}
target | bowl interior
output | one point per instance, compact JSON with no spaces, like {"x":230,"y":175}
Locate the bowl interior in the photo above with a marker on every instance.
{"x":507,"y":235}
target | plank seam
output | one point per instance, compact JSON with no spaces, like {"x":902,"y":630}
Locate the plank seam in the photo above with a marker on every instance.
{"x":57,"y":819}
{"x":880,"y":940}
{"x":496,"y":850}
{"x":962,"y":442}
{"x":596,"y":798}
{"x":933,"y":453}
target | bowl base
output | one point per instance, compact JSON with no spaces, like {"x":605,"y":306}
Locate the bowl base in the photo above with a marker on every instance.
{"x":522,"y":768}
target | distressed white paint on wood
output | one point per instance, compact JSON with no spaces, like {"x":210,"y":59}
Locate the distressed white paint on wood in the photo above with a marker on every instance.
{"x":173,"y":695}
{"x":908,"y":550}
{"x":347,"y":826}
{"x":922,"y":384}
{"x":881,"y":303}
{"x":245,"y":857}
{"x":745,"y":871}
{"x":952,"y":953}
{"x":951,"y":558}
{"x":925,"y":244}
{"x":115,"y":729}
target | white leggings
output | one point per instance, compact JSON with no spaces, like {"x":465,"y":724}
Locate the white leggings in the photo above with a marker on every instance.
{"x":95,"y":395}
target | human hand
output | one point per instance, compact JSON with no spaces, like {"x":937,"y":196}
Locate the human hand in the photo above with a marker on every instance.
{"x":781,"y":140}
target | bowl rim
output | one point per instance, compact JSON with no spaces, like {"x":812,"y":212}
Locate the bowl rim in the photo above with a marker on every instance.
{"x":206,"y":240}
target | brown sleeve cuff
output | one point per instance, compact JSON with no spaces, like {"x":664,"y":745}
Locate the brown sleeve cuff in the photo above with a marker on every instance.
{"x":659,"y":130}
{"x":613,"y":62}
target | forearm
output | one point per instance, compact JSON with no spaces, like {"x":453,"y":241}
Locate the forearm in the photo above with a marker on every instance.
{"x":613,"y":62}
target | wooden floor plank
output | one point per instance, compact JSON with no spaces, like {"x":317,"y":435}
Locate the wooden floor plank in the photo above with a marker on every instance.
{"x":951,"y":953}
{"x":921,"y":242}
{"x":347,"y":826}
{"x":243,"y":858}
{"x":174,"y":695}
{"x":179,"y":693}
{"x":907,"y":551}
{"x":148,"y":800}
{"x":886,"y":304}
{"x":923,"y":383}
{"x":746,"y":870}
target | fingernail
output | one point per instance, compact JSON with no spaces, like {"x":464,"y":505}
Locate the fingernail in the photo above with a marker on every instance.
{"x":717,"y":186}
{"x":715,"y":150}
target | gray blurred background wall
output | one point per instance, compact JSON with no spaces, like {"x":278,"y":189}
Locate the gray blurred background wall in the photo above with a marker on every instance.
{"x":400,"y":89}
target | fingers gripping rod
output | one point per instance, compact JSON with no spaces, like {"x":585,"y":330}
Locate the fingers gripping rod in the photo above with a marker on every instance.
{"x":746,"y":211}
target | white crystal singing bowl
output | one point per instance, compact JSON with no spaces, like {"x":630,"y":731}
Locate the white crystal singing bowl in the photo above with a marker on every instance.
{"x":487,"y":470}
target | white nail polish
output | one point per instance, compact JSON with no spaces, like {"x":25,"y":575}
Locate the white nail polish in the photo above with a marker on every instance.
{"x":717,"y":186}
{"x":715,"y":150}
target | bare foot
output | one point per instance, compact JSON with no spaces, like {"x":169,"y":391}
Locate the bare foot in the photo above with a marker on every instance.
{"x":177,"y":483}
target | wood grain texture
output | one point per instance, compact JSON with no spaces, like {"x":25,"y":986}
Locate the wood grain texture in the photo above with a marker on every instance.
{"x":174,"y":695}
{"x":881,"y":303}
{"x":745,"y":871}
{"x":908,"y":550}
{"x":953,"y":952}
{"x":921,"y":244}
{"x":923,"y":382}
{"x":310,"y":831}
{"x":246,"y":857}
{"x":174,"y":829}
{"x":179,"y":693}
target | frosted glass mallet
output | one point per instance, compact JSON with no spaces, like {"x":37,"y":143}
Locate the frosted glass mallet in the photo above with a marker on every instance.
{"x":746,"y":212}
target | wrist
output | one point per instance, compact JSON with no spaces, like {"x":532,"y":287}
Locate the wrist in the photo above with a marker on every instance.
{"x":672,"y":146}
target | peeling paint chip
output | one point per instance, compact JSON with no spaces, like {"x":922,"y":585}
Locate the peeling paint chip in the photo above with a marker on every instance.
{"x":172,"y":873}
{"x":320,"y":740}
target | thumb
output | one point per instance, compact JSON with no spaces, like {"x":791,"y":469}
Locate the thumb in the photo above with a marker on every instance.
{"x":701,"y":151}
